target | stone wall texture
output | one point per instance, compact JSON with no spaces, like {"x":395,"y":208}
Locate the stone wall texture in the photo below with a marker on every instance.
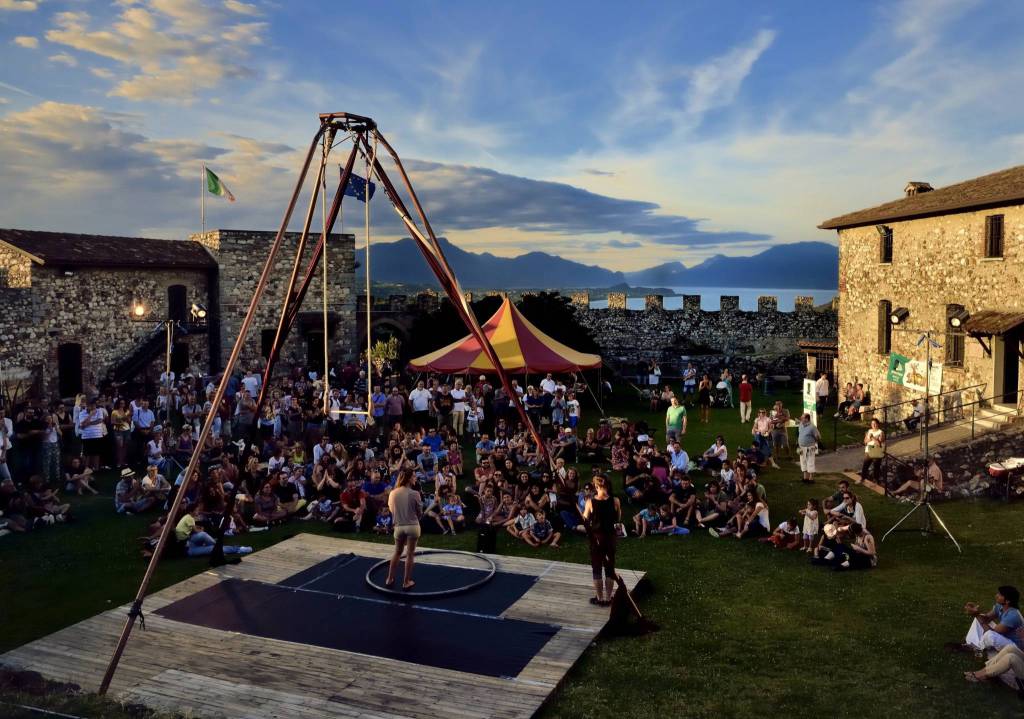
{"x":937,"y":261}
{"x":241,"y":255}
{"x":629,"y":336}
{"x":92,"y":308}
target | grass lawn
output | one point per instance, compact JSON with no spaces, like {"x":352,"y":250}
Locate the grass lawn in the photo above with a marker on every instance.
{"x":745,"y":629}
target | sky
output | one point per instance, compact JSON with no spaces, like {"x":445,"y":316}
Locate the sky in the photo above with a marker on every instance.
{"x":624,"y":135}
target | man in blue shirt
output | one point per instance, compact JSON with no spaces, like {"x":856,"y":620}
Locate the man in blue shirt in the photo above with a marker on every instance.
{"x":680,"y":460}
{"x":997,"y":628}
{"x":484,"y":448}
{"x":378,"y":399}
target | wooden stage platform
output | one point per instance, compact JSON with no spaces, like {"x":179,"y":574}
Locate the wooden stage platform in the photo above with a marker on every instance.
{"x":182,"y":667}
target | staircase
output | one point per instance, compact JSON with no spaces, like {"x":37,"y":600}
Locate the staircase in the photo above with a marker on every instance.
{"x":153,"y":346}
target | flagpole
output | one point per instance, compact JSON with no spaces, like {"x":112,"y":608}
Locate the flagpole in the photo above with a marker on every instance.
{"x":202,"y":198}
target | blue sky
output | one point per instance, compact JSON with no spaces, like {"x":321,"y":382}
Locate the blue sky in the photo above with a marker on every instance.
{"x":610,"y":133}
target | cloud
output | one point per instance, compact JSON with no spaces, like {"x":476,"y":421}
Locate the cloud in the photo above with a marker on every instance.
{"x":624,"y":245}
{"x":64,"y":59}
{"x":176,"y":49}
{"x":658,"y":99}
{"x":242,"y":8}
{"x":460,"y":197}
{"x":4,"y":101}
{"x":102,"y":73}
{"x":19,"y":5}
{"x":112,"y":178}
{"x":26,"y":41}
{"x":599,"y":173}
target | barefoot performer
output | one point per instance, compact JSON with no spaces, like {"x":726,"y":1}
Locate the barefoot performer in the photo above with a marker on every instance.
{"x":601,"y":513}
{"x":406,"y":507}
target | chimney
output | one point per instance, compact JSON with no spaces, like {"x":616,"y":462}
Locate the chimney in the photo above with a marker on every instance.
{"x":916,"y":188}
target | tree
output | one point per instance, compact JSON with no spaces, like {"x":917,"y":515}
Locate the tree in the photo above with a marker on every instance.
{"x":553,"y":315}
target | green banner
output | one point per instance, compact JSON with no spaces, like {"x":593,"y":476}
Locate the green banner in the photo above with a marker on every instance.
{"x":897,"y":368}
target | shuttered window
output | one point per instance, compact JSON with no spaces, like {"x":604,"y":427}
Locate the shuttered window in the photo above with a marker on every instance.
{"x":885,"y":243}
{"x":994,"y":236}
{"x":954,"y":339}
{"x":884,"y":327}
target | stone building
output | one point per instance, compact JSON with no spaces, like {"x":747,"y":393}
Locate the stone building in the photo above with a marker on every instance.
{"x":956,"y":250}
{"x":69,"y":304}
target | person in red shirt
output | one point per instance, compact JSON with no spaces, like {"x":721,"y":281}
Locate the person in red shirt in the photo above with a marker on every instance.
{"x":746,"y":399}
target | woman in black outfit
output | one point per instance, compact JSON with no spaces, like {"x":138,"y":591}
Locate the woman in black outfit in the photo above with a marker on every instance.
{"x":601,"y":513}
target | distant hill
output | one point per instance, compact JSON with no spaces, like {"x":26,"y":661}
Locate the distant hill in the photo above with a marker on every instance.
{"x":402,"y":262}
{"x":801,"y":265}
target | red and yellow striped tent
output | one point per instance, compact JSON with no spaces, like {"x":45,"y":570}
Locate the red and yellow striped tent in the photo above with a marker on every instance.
{"x":520,"y":347}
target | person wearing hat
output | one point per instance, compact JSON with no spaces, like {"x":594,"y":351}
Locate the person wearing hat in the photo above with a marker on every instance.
{"x":997,"y":628}
{"x":128,"y":496}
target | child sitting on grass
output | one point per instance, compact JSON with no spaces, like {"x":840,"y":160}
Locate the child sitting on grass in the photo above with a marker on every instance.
{"x":385,"y":522}
{"x":786,"y":536}
{"x":646,"y":521}
{"x":321,"y":510}
{"x":452,"y":514}
{"x":522,"y":524}
{"x":542,"y":533}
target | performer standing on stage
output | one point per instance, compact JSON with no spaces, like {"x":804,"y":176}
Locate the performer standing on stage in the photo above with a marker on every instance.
{"x":601,"y":513}
{"x":406,"y":507}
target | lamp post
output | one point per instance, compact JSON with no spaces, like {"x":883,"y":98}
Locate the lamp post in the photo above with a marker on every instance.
{"x":168,"y":324}
{"x":896,"y":319}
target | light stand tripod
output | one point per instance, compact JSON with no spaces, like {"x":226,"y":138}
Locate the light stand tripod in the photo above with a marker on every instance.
{"x":922,"y":500}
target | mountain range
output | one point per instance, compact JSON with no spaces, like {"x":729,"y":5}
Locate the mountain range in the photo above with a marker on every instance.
{"x":799,"y":265}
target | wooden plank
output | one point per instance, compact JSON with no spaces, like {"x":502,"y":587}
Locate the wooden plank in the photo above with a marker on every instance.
{"x":175,"y":666}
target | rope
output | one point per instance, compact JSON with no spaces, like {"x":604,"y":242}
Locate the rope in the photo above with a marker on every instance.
{"x":323,"y":222}
{"x":369,"y":295}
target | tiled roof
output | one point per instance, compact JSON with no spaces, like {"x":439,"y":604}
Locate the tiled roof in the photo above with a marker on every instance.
{"x":1005,"y":187}
{"x":64,"y":249}
{"x":992,"y":322}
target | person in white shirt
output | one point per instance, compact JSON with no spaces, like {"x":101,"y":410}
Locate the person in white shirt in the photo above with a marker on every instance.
{"x":251,"y":383}
{"x":548,"y":384}
{"x":821,"y":390}
{"x":420,"y":399}
{"x":572,"y":406}
{"x":155,"y":449}
{"x":459,"y":408}
{"x":321,"y":449}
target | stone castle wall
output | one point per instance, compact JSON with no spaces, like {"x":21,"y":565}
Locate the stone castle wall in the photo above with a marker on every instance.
{"x":628,"y":336}
{"x":936,"y":261}
{"x":90,"y":307}
{"x":241,"y":256}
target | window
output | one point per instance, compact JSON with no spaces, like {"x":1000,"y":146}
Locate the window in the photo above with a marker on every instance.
{"x":954,"y":339}
{"x":884,"y":327}
{"x":177,"y":303}
{"x":994,"y":236}
{"x":885,"y":243}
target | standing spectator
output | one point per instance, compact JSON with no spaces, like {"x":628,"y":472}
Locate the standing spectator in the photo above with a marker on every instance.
{"x":807,"y":447}
{"x":780,"y":432}
{"x":874,"y":452}
{"x":143,"y":420}
{"x":821,"y":392}
{"x":675,"y":420}
{"x":761,"y":432}
{"x":460,"y":398}
{"x":121,"y":421}
{"x":746,"y":398}
{"x":93,"y":424}
{"x":689,"y":380}
{"x":704,"y":399}
{"x":50,"y":449}
{"x":6,"y":430}
{"x":420,"y":399}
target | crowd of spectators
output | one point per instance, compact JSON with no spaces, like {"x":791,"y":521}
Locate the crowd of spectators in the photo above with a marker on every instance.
{"x":330,"y":452}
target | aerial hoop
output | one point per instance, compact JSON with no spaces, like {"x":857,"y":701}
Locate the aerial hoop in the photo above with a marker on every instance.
{"x":493,"y":569}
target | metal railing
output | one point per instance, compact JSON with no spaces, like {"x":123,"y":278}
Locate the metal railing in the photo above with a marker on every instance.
{"x":947,"y":406}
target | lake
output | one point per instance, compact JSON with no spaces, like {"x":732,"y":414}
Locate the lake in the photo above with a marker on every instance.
{"x":709,"y":297}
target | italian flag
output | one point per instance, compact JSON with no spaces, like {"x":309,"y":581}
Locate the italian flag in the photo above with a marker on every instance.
{"x":216,"y":187}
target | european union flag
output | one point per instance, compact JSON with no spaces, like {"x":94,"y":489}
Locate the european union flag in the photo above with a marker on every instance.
{"x":357,"y":187}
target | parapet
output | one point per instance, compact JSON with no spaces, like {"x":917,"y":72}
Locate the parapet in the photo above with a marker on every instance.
{"x":616,"y":300}
{"x":767,"y":303}
{"x":654,"y":303}
{"x":729,"y":303}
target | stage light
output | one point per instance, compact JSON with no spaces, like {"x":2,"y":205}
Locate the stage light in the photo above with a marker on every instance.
{"x":139,"y":309}
{"x":898,"y":315}
{"x":958,"y":318}
{"x":198,"y":312}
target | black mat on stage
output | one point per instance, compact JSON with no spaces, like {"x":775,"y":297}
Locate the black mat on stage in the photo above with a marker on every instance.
{"x":346,"y":574}
{"x":444,"y":639}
